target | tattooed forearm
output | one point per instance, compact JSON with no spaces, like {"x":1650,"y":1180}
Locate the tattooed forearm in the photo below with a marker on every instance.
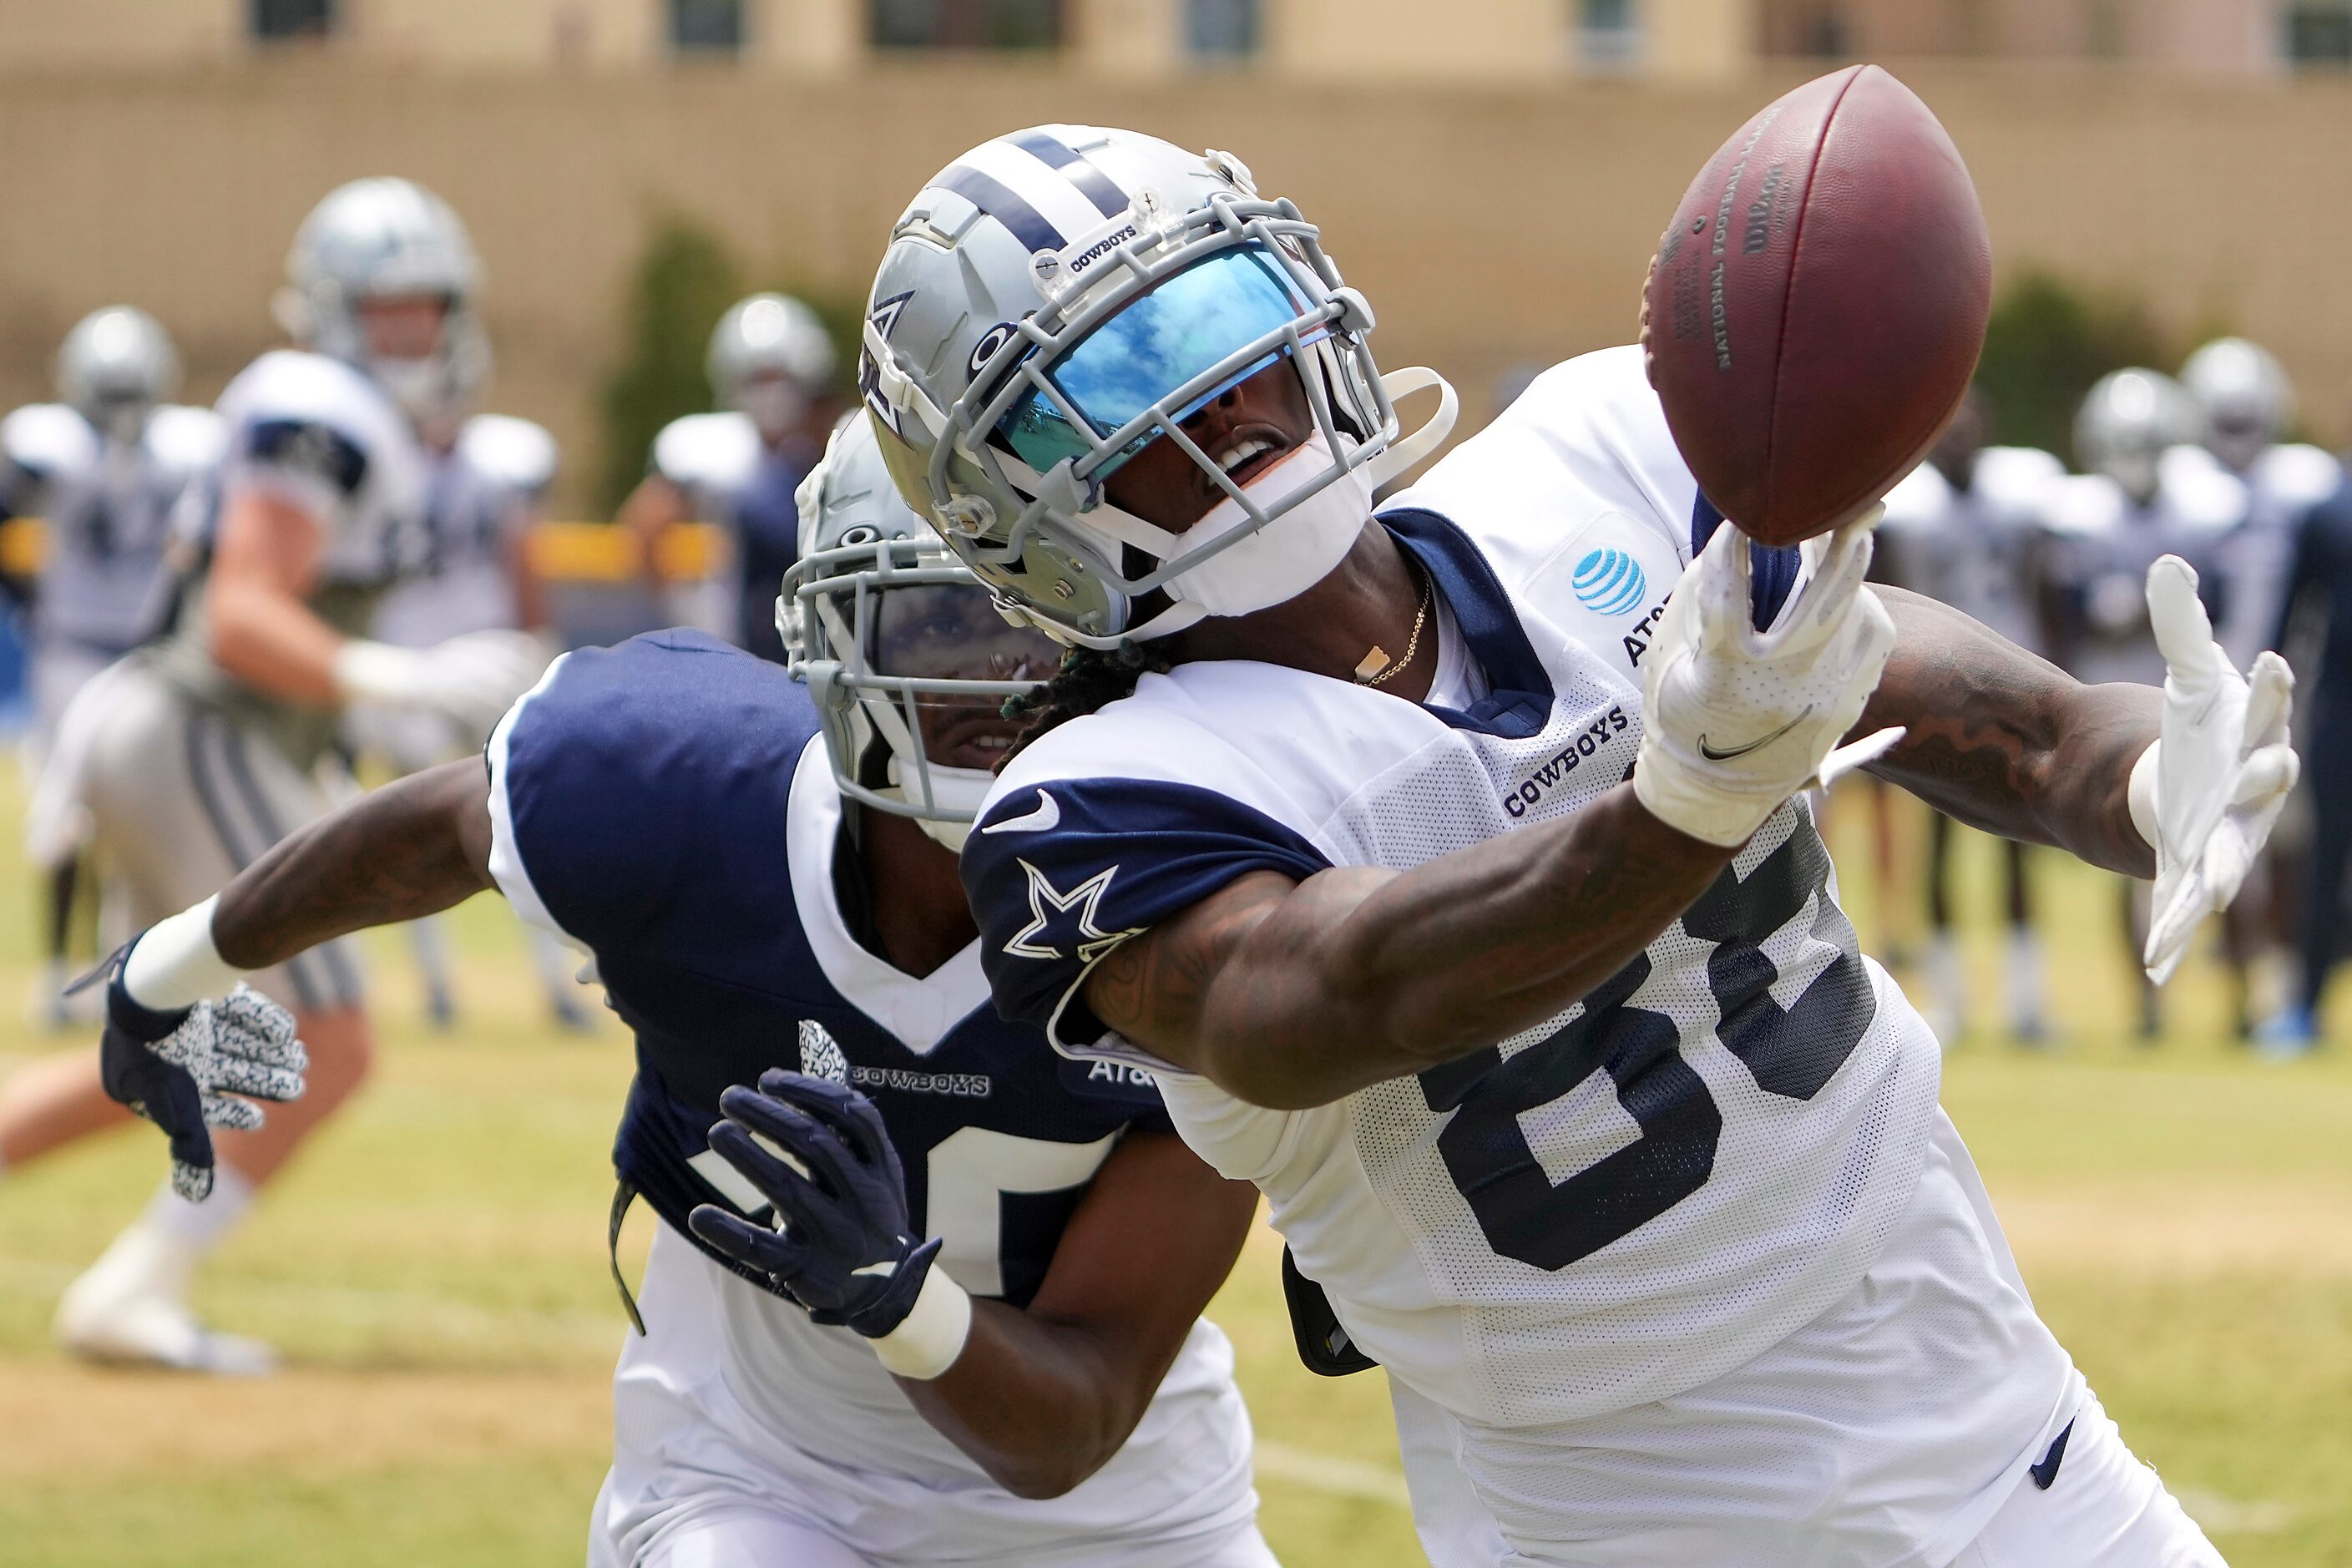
{"x":1292,"y":994}
{"x":2008,"y":742}
{"x":411,"y":848}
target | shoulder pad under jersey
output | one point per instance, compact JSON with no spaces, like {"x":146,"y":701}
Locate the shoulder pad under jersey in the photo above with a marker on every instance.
{"x":1920,"y":500}
{"x":514,"y":454}
{"x":717,"y":453}
{"x":182,"y":441}
{"x":2016,"y":479}
{"x":2083,"y":506}
{"x":2203,"y":496}
{"x":48,"y":440}
{"x":2296,"y":474}
{"x":310,"y":413}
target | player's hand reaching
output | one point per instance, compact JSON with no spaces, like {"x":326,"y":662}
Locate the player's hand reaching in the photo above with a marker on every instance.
{"x":1735,"y":720}
{"x":818,"y":1151}
{"x":473,"y":678}
{"x":2219,"y":776}
{"x":199,"y":1067}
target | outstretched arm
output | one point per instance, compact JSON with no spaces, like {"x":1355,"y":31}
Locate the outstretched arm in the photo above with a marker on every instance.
{"x":414,"y":847}
{"x":1042,"y":1397}
{"x":1294,"y":993}
{"x":2008,"y":742}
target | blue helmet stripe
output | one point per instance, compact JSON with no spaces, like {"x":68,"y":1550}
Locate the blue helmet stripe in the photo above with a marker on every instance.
{"x":1028,"y":225}
{"x":1092,"y":183}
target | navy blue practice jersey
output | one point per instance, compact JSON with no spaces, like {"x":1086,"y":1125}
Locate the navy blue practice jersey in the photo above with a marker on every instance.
{"x":668,"y":806}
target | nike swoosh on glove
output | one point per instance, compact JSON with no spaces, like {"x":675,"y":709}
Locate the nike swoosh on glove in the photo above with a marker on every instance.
{"x":2224,"y":766}
{"x":818,"y":1151}
{"x":197,"y":1068}
{"x":1735,"y":720}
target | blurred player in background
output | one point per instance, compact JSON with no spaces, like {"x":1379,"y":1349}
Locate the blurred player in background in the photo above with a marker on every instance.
{"x":1966,"y":529}
{"x":199,"y":752}
{"x":488,"y":474}
{"x":2107,"y":526}
{"x":2248,"y":409}
{"x":104,"y":465}
{"x":768,"y":885}
{"x":2319,"y":583}
{"x":771,"y":366}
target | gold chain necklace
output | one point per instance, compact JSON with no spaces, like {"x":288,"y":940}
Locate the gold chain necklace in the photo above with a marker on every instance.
{"x":1376,"y":669}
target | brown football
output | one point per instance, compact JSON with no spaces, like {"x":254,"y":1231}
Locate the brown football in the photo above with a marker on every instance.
{"x":1817,"y":306}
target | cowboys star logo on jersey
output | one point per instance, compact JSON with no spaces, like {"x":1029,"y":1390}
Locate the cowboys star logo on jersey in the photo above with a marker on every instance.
{"x":821,"y":1053}
{"x":1048,"y":905}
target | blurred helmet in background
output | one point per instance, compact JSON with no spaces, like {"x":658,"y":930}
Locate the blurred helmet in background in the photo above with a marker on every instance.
{"x":906,"y":653}
{"x":2246,"y":397}
{"x":115,"y":366}
{"x":1058,"y":299}
{"x":2126,"y":422}
{"x":771,"y":357}
{"x":376,"y":242}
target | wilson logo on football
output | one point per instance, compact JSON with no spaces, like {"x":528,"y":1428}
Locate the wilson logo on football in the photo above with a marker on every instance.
{"x":1609,"y":581}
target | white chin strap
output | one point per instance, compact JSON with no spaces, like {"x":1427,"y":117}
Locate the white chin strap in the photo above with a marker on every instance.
{"x":951,"y":789}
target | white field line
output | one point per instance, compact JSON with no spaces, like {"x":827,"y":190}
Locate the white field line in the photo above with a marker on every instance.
{"x":1330,"y":1473}
{"x":356,"y":1306}
{"x":2227,"y":1516}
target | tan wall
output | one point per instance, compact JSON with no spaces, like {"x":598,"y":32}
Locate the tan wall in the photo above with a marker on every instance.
{"x":1491,"y":227}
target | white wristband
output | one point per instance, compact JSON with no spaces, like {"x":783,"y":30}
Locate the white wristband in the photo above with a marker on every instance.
{"x":2141,"y":794}
{"x":932,"y":1337}
{"x":175,"y":963}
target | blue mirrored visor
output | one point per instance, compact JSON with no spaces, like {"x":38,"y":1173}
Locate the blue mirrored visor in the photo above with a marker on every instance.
{"x":1189,"y":325}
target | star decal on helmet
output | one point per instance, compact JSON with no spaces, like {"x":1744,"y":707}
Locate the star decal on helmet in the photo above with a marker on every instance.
{"x":1050,"y":908}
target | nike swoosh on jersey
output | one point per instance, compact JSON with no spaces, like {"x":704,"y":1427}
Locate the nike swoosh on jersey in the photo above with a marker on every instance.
{"x":1047,"y":813}
{"x":1712,"y":755}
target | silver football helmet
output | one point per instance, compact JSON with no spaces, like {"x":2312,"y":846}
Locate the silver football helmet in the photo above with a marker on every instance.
{"x":1058,"y":299}
{"x":381,"y":239}
{"x":115,"y":366}
{"x":2246,"y":397}
{"x":908,"y":656}
{"x":2126,"y":422}
{"x":769,"y":357}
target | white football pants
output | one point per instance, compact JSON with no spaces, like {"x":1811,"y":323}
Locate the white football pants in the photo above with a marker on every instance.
{"x":2105,"y":1509}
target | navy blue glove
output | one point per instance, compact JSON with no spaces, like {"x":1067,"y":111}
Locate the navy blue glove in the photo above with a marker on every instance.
{"x":843,"y":1248}
{"x":184,"y":1071}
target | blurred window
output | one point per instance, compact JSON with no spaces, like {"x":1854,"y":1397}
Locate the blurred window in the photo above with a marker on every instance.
{"x":1221,"y":29}
{"x":1822,"y":35}
{"x":274,"y":19}
{"x":1608,"y":34}
{"x":966,"y":24}
{"x":2319,"y":35}
{"x":705,"y":26}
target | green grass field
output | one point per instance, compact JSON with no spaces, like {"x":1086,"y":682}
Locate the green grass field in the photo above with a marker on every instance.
{"x":433,"y":1268}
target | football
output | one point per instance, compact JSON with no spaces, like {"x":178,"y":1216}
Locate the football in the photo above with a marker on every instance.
{"x":1817,"y":306}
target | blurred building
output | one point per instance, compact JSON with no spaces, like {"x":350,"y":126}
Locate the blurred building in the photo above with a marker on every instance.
{"x":1502,"y":39}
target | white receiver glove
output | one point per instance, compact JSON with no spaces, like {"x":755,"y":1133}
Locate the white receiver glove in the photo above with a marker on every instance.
{"x":2221,"y":771}
{"x":473,"y":678}
{"x":1736,"y":720}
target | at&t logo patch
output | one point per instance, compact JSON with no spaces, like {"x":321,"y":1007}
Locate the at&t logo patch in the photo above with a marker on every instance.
{"x":1609,"y":581}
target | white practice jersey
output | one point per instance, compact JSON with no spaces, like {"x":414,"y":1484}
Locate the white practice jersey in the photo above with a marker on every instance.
{"x":2102,"y":544}
{"x":1978,"y":550}
{"x":1599,"y":1234}
{"x":318,"y":434}
{"x":711,"y":457}
{"x":326,"y":438}
{"x":2255,"y":556}
{"x":479,"y":497}
{"x":109,"y":507}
